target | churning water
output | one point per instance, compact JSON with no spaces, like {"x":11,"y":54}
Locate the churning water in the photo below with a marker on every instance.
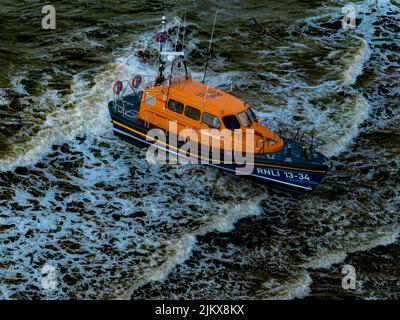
{"x":74,"y":196}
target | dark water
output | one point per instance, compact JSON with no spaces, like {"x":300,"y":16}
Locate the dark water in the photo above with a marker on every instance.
{"x":77,"y":198}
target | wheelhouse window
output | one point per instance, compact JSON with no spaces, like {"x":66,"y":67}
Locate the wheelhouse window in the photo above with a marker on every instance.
{"x":252,"y":115}
{"x":192,"y":113}
{"x":211,"y":121}
{"x":244,"y":119}
{"x":175,"y":106}
{"x":231,"y":122}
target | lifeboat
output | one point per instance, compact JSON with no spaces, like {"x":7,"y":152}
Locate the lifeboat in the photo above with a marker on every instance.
{"x":190,"y":122}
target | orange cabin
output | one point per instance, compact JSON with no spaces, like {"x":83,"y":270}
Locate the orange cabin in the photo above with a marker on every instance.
{"x":197,"y":106}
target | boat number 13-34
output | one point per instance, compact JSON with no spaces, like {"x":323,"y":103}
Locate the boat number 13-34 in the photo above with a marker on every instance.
{"x":300,"y":176}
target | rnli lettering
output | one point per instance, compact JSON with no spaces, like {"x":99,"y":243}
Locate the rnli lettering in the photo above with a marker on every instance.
{"x":268,"y":172}
{"x":285,"y":174}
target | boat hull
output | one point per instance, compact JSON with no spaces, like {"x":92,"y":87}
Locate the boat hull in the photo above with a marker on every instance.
{"x":292,"y":177}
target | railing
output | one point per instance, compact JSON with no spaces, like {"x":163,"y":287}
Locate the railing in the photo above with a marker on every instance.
{"x":176,"y":80}
{"x":307,"y":141}
{"x":121,"y":110}
{"x":120,"y":105}
{"x":147,"y":81}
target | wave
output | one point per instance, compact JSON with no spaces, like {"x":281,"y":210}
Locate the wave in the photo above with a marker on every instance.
{"x":356,"y":64}
{"x":223,"y":221}
{"x":88,"y":113}
{"x":84,"y":111}
{"x":343,"y":133}
{"x":298,"y":287}
{"x":325,"y":261}
{"x":17,"y":85}
{"x":3,"y":98}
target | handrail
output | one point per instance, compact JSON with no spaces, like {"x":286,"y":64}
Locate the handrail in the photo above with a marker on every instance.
{"x":295,"y":134}
{"x":121,"y":110}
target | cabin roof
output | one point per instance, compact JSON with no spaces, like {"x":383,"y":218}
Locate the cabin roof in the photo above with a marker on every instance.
{"x":216,"y":101}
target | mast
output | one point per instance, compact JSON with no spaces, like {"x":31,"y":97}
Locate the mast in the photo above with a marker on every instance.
{"x":163,"y":20}
{"x":161,"y":38}
{"x":184,"y":32}
{"x":168,"y":50}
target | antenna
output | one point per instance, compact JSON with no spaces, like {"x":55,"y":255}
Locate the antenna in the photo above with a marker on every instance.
{"x":169,"y":82}
{"x":209,"y":48}
{"x":163,"y":20}
{"x":184,"y":32}
{"x":160,"y":38}
{"x":169,"y":50}
{"x":177,"y":35}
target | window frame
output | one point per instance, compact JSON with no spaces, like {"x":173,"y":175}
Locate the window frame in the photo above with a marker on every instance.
{"x":248,"y":118}
{"x":188,"y":106}
{"x":231,"y":115}
{"x":252,"y":114}
{"x":211,"y":126}
{"x":168,"y":106}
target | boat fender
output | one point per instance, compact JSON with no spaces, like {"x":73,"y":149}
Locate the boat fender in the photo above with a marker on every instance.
{"x":118,"y":87}
{"x":136,"y":81}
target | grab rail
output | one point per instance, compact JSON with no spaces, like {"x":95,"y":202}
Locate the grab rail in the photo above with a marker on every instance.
{"x":307,"y":140}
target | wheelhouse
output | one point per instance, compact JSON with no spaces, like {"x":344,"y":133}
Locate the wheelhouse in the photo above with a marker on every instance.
{"x":200,"y":113}
{"x":196,"y":106}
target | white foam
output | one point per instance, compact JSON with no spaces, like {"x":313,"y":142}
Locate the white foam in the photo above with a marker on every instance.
{"x":182,"y":249}
{"x":177,"y":240}
{"x":3,"y":97}
{"x":223,"y":221}
{"x":296,"y":288}
{"x":375,"y":9}
{"x":342,"y":134}
{"x":17,"y":85}
{"x":89,"y":113}
{"x":326,"y":260}
{"x":90,"y":42}
{"x":384,"y":239}
{"x":355,"y":67}
{"x":338,"y":125}
{"x":215,"y":80}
